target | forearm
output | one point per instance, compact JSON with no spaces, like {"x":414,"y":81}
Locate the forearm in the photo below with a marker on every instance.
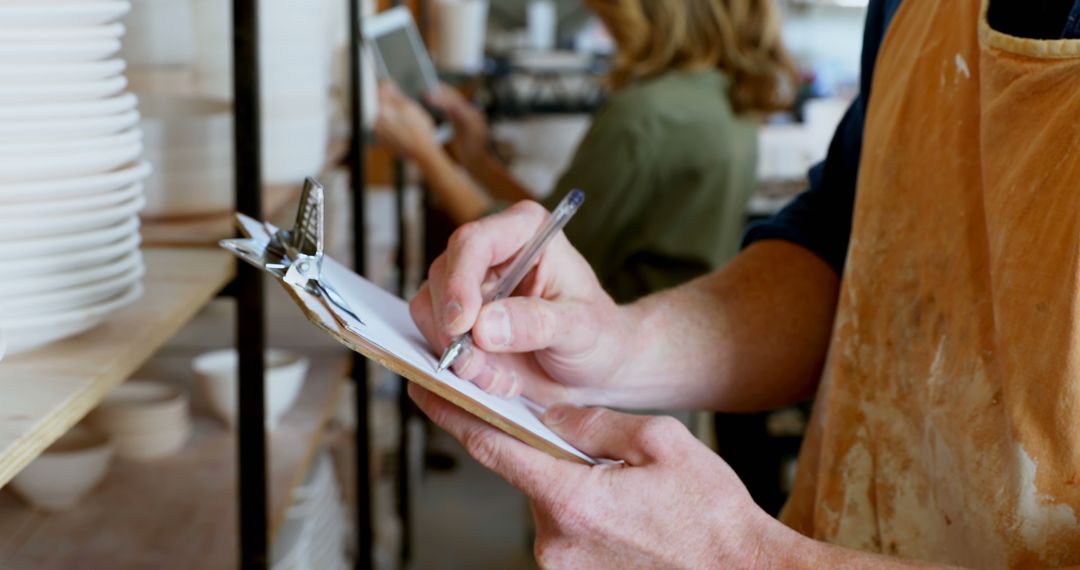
{"x":498,"y":181}
{"x":453,"y":189}
{"x":750,"y":336}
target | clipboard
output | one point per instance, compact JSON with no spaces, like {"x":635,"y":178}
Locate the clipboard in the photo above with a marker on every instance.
{"x":375,"y":323}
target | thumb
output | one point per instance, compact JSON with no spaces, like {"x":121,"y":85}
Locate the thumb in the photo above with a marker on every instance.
{"x":603,"y":433}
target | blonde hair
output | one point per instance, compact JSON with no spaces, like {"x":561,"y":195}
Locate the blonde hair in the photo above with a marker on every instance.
{"x":740,"y":37}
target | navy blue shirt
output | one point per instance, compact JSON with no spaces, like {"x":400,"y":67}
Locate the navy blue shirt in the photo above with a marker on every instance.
{"x":819,"y":219}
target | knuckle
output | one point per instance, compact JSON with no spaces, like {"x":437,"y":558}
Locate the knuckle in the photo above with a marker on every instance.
{"x":591,"y":421}
{"x":657,"y":433}
{"x":549,"y":554}
{"x":481,"y":445}
{"x":464,"y":235}
{"x":437,"y":268}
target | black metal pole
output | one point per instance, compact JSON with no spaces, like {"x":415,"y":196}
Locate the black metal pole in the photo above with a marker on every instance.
{"x":364,"y":544}
{"x":404,"y":469}
{"x":250,"y":328}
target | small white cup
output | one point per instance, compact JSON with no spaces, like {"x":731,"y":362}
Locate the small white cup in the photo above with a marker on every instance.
{"x":541,"y":20}
{"x":462,"y":29}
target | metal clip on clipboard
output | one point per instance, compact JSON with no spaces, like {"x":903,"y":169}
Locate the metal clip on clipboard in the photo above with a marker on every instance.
{"x":296,"y":256}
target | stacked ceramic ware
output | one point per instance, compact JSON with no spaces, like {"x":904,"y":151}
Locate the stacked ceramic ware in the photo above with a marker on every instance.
{"x":70,"y":170}
{"x":146,"y":420}
{"x":313,"y":536}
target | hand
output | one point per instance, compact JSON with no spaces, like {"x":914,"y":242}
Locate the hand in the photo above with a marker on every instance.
{"x":673,"y":504}
{"x":471,"y":135}
{"x":560,"y":337}
{"x":403,"y":126}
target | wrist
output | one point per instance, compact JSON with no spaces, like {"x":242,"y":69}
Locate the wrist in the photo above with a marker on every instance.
{"x":772,"y":544}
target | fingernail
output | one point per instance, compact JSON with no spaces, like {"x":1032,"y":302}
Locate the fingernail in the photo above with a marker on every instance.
{"x":556,"y":414}
{"x":497,"y":322}
{"x":496,"y":381}
{"x":462,"y":363}
{"x":514,"y":387}
{"x":452,"y":313}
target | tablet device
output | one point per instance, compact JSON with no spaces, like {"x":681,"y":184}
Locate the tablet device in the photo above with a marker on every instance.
{"x":402,"y":57}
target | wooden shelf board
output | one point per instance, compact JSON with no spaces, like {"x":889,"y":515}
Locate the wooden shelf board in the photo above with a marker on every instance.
{"x":177,"y":512}
{"x":46,"y":391}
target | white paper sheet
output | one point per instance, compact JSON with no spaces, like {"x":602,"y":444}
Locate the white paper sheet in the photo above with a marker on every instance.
{"x":387,"y":323}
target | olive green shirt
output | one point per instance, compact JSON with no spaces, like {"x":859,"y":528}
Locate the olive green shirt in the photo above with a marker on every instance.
{"x":667,"y":169}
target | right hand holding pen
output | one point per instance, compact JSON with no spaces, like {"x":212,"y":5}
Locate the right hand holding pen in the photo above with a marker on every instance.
{"x":557,"y":339}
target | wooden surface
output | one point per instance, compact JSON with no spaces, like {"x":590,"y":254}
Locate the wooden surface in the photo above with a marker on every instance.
{"x":46,"y":391}
{"x":177,"y":512}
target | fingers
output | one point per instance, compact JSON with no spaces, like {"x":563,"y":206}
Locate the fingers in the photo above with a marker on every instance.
{"x":459,"y":274}
{"x":527,"y":324}
{"x":528,"y":469}
{"x":601,"y":432}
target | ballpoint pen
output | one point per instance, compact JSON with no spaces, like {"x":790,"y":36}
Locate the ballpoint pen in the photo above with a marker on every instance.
{"x":521,"y":266}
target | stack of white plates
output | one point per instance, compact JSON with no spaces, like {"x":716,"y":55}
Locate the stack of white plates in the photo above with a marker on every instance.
{"x":314,"y":534}
{"x":70,"y":170}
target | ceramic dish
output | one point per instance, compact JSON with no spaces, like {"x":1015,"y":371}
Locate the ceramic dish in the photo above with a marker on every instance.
{"x":75,"y":33}
{"x":58,"y":51}
{"x":147,"y":446}
{"x":73,"y":297}
{"x":48,"y":14}
{"x":77,"y":186}
{"x":20,"y":73}
{"x":79,"y":259}
{"x":28,"y":168}
{"x":51,"y":129}
{"x":44,"y":286}
{"x":141,"y":405}
{"x":64,"y":110}
{"x":75,"y":91}
{"x":33,"y":248}
{"x":52,"y":207}
{"x":66,"y":471}
{"x":68,"y":223}
{"x":216,"y":373}
{"x":28,"y":333}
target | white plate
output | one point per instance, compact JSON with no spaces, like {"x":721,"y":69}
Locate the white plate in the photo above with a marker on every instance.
{"x":49,"y":14}
{"x":80,"y":186}
{"x":12,"y":74}
{"x":30,"y":333}
{"x":73,"y":91}
{"x":68,"y":223}
{"x":16,"y":287}
{"x":79,"y":259}
{"x":11,"y":150}
{"x":50,"y":129}
{"x":75,"y":33}
{"x":31,"y":248}
{"x":58,"y":51}
{"x":67,"y":110}
{"x":46,"y":208}
{"x":76,"y":295}
{"x":27,"y":168}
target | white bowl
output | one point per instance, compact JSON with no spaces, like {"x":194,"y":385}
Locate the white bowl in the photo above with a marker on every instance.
{"x":160,"y":33}
{"x":216,"y":372}
{"x":180,"y":121}
{"x":69,"y":222}
{"x":67,"y":51}
{"x":68,"y":109}
{"x":16,"y":167}
{"x":73,"y":91}
{"x":51,"y":207}
{"x":80,"y":258}
{"x":50,"y":129}
{"x":30,"y":248}
{"x":146,"y":420}
{"x":28,"y":333}
{"x":152,"y":445}
{"x":44,"y":14}
{"x":294,"y":147}
{"x":57,"y":73}
{"x":77,"y":186}
{"x":20,"y":286}
{"x":66,"y":471}
{"x":68,"y":34}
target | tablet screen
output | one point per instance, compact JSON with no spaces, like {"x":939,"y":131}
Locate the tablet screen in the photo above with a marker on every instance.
{"x":399,"y":57}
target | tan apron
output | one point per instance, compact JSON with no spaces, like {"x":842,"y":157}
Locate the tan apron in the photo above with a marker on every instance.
{"x":948,"y":422}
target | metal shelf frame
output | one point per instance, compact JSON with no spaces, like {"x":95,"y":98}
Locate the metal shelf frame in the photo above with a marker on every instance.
{"x":251,"y":485}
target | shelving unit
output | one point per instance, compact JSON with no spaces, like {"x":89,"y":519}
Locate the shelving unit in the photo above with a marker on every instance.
{"x":178,"y":512}
{"x":47,"y":391}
